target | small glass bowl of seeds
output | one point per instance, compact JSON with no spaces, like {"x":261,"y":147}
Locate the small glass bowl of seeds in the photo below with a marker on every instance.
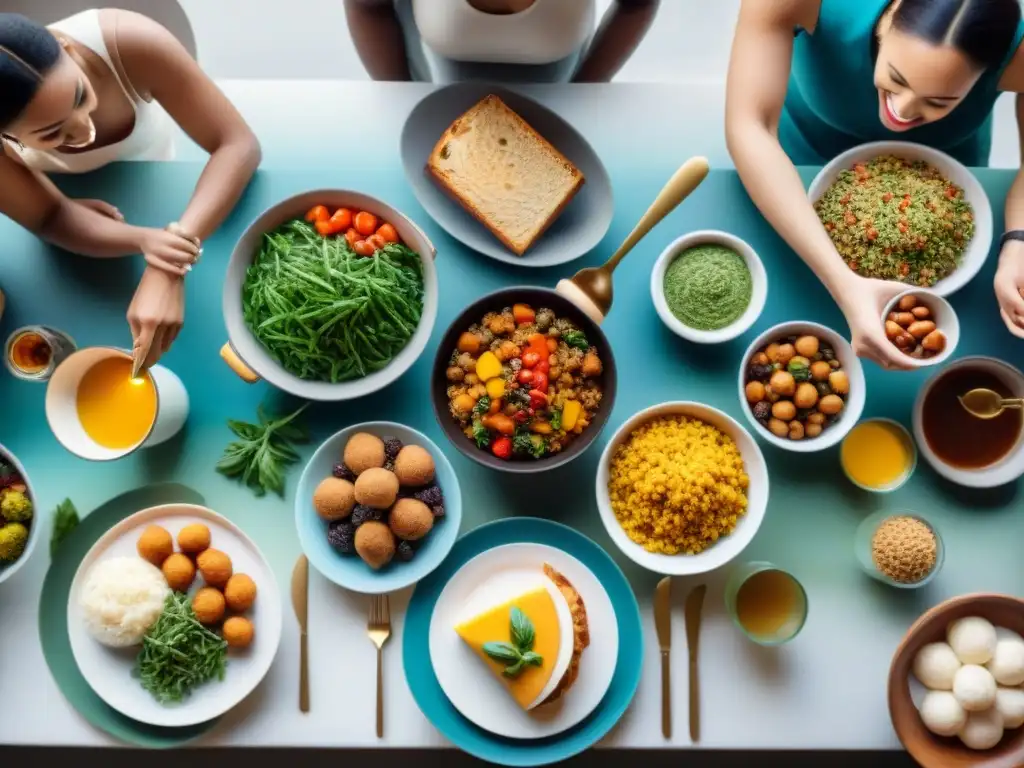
{"x":901,"y":549}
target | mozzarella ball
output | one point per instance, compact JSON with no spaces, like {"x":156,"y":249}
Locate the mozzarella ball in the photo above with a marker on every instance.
{"x":983,"y":730}
{"x":942,"y":714}
{"x":1007,"y":663}
{"x":1010,"y":704}
{"x":974,"y":687}
{"x":973,"y":639}
{"x":935,"y":665}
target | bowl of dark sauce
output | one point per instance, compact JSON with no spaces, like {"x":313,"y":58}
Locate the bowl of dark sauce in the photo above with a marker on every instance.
{"x":966,"y":450}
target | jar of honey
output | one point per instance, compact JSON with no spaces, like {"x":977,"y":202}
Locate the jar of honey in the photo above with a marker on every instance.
{"x":34,"y":352}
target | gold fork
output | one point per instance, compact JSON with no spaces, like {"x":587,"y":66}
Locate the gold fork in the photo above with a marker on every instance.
{"x":379,"y":630}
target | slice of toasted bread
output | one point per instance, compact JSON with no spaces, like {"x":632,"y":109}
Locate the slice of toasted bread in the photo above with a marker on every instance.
{"x":580,"y":631}
{"x":504,"y":173}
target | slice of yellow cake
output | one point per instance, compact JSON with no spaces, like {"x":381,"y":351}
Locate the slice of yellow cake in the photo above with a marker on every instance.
{"x":531,"y":640}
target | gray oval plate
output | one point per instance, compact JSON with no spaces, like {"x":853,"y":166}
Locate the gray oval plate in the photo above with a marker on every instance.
{"x":579,"y":228}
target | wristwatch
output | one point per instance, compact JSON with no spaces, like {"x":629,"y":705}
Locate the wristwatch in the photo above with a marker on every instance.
{"x":1013,"y":234}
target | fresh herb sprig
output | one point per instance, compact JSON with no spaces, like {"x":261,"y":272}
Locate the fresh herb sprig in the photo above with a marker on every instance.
{"x":178,"y":653}
{"x":519,"y":653}
{"x":65,"y":520}
{"x":264,"y":451}
{"x":576,"y":339}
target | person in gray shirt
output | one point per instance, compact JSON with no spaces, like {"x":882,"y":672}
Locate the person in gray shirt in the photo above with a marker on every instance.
{"x":533,"y":41}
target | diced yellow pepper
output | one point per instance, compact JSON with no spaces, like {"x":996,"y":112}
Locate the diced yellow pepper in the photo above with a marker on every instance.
{"x":488,"y":366}
{"x":570,"y":413}
{"x":495,"y":388}
{"x":541,"y":427}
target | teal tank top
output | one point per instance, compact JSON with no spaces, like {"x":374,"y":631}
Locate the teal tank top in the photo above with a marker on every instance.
{"x":832,"y":103}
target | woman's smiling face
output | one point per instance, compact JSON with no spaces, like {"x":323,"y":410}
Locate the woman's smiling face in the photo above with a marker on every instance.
{"x":59,"y":113}
{"x":919,"y":82}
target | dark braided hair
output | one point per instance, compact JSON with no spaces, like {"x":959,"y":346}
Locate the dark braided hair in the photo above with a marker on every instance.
{"x":27,"y":52}
{"x":983,"y":30}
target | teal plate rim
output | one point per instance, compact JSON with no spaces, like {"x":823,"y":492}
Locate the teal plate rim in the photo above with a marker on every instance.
{"x":53,"y":620}
{"x":422,"y":680}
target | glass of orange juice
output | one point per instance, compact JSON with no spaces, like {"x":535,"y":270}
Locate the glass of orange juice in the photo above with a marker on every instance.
{"x":99,"y":412}
{"x":878,"y":455}
{"x":767,"y":603}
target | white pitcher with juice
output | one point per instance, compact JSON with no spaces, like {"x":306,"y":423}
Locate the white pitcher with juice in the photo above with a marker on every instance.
{"x":99,"y":412}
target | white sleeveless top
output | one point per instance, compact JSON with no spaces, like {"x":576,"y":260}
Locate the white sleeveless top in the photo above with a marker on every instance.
{"x":547,"y":32}
{"x":152,"y":138}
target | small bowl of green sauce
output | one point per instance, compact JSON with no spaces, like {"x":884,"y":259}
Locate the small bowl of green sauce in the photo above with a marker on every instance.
{"x":709,"y":286}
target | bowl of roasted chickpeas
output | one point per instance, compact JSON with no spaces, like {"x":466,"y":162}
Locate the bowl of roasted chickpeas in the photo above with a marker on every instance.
{"x":922,"y":325}
{"x":801,"y":386}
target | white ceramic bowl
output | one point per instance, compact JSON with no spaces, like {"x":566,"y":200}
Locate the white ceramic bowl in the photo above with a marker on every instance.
{"x":977,"y":249}
{"x":945,"y":320}
{"x":850,"y":363}
{"x":36,"y":524}
{"x":757,"y":274}
{"x":727,"y":547}
{"x":248,"y":358}
{"x":1004,"y":471}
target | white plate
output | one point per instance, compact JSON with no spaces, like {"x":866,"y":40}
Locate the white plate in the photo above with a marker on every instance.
{"x":109,"y":671}
{"x":478,"y":695}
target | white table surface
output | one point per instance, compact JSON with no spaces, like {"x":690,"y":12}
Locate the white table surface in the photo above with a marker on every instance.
{"x":825,"y":690}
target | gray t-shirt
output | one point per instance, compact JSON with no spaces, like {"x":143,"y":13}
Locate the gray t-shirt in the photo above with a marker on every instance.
{"x":428,"y":67}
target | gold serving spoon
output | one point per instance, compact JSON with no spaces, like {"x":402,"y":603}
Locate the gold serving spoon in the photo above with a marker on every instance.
{"x":986,"y":404}
{"x":591,"y":289}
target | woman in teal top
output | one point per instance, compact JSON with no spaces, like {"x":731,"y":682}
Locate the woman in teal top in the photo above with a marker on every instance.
{"x":809,"y":79}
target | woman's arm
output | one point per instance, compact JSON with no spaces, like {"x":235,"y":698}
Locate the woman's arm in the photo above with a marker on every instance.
{"x":759,"y":69}
{"x":378,"y":38}
{"x":159,"y":67}
{"x":1009,"y":280}
{"x":624,"y":26}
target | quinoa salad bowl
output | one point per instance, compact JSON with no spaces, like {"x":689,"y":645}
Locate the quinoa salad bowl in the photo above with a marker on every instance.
{"x":707,"y":514}
{"x":523,"y":381}
{"x":905,"y":212}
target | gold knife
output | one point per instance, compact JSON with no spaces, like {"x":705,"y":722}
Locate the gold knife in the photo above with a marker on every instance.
{"x":663,"y":623}
{"x":300,"y":602}
{"x":694,"y":604}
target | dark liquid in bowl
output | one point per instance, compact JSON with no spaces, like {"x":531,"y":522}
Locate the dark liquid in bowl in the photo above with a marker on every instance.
{"x":958,"y":438}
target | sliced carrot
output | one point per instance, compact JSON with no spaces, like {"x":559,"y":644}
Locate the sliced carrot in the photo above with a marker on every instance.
{"x":341,"y":219}
{"x":365,"y":223}
{"x":317,"y":213}
{"x":363,"y":248}
{"x":523,"y":314}
{"x":352,"y":236}
{"x":376,"y":241}
{"x":324,"y":227}
{"x":388,"y":232}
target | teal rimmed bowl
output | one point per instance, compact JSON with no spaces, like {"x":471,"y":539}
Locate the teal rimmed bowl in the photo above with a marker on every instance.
{"x":349,"y":571}
{"x":439,"y":710}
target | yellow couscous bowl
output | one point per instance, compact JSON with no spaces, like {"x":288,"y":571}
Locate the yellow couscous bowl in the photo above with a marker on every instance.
{"x":682,"y":488}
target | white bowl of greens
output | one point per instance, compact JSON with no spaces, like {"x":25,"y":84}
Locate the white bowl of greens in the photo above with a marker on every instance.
{"x":302,"y":314}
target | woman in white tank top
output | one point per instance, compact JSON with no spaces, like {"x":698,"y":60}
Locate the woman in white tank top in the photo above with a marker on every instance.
{"x":103,"y":86}
{"x":447,"y":41}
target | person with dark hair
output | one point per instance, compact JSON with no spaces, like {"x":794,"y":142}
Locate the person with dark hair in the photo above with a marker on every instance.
{"x":101,"y":86}
{"x":532,"y":41}
{"x":809,"y":79}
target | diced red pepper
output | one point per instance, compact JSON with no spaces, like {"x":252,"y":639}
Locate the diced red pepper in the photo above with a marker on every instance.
{"x":850,"y":219}
{"x":887,"y":197}
{"x":530,"y":359}
{"x":538,"y":399}
{"x":502,"y":447}
{"x":872,"y":233}
{"x":520,"y":417}
{"x":905,"y":203}
{"x":543,"y":366}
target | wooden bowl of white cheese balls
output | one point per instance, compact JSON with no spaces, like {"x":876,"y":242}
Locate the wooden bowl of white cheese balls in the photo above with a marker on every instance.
{"x":956,"y":684}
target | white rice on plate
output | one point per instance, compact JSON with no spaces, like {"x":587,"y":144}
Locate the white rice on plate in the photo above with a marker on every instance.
{"x":121,"y":599}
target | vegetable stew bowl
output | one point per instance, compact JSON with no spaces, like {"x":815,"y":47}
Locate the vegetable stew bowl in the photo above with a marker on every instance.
{"x":36,"y":526}
{"x":929,"y":750}
{"x":251,"y":361}
{"x":978,"y":248}
{"x":496,"y":301}
{"x":854,"y":405}
{"x":727,"y":547}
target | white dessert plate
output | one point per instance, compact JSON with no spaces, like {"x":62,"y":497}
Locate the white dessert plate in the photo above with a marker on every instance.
{"x":476,"y":693}
{"x":109,"y":671}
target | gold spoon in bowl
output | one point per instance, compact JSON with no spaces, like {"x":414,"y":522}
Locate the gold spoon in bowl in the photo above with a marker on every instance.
{"x":986,"y":404}
{"x":591,"y":288}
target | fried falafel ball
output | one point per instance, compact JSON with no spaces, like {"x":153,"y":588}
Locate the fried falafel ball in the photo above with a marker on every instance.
{"x":411,"y":519}
{"x":334,"y":498}
{"x":194,"y":538}
{"x":215,"y":567}
{"x":238,"y":632}
{"x":363,"y":451}
{"x":414,"y":466}
{"x":376,"y":488}
{"x":375,"y":544}
{"x":179,"y":572}
{"x":208,"y":605}
{"x":240,"y":593}
{"x":155,"y":545}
